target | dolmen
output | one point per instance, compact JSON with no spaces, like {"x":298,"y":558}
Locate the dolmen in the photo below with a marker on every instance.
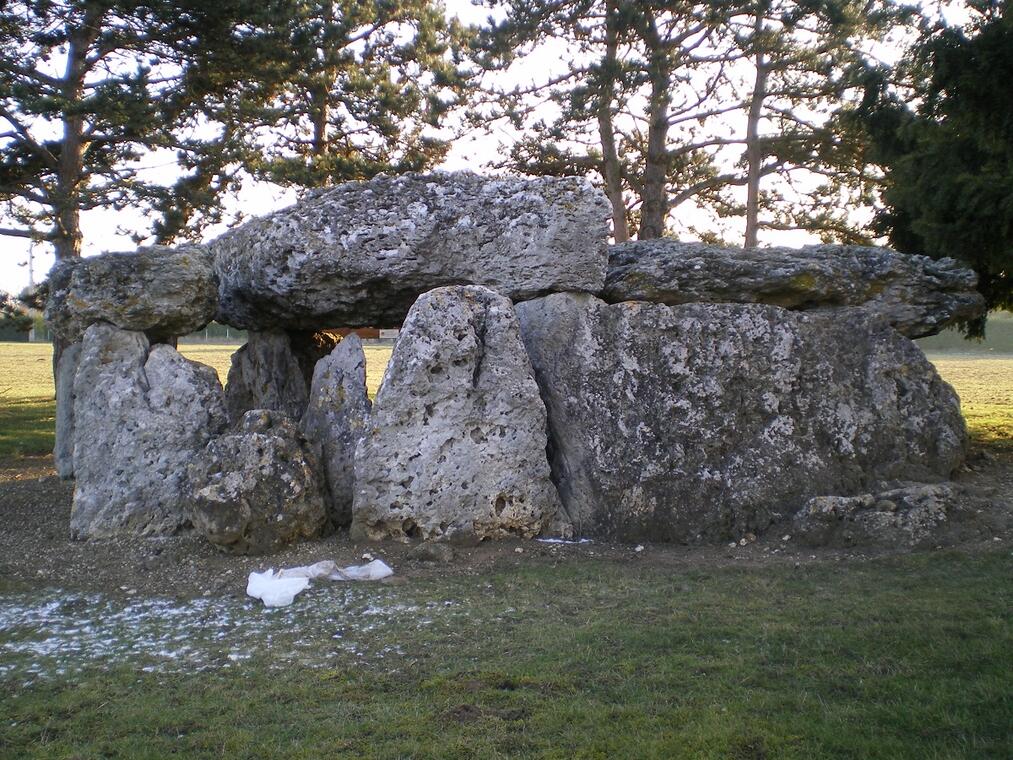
{"x":543,"y":383}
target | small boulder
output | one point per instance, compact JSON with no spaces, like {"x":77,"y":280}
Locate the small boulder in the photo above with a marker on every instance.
{"x":917,"y":295}
{"x":456,"y":441}
{"x":360,"y":253}
{"x":259,"y":488}
{"x":432,"y":551}
{"x":162,"y":292}
{"x":336,"y":419}
{"x":900,"y":517}
{"x":140,"y":415}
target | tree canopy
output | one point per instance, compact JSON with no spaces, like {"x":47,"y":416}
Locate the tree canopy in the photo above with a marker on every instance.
{"x":947,"y":149}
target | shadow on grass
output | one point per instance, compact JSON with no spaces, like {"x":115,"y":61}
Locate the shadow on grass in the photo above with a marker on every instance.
{"x":26,"y":426}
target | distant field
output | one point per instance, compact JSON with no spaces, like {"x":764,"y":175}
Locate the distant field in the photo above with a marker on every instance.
{"x":985,"y":385}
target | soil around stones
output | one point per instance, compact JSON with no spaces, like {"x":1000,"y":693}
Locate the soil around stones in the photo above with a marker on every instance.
{"x":36,"y":550}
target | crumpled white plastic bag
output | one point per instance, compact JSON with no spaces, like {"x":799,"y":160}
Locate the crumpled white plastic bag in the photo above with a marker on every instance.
{"x":279,"y":589}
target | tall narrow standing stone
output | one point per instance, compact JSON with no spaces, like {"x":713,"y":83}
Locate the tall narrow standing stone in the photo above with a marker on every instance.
{"x":140,"y":416}
{"x":336,"y":418}
{"x":63,"y":450}
{"x":456,"y":441}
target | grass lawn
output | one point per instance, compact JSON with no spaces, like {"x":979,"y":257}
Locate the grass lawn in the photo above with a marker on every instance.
{"x":897,"y":658}
{"x":578,"y":657}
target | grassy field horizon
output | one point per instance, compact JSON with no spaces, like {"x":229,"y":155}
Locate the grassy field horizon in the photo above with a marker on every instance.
{"x":984,"y":383}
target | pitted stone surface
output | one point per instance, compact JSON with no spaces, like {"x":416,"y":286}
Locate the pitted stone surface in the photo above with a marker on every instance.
{"x":359,"y":254}
{"x":273,"y":370}
{"x":703,"y":422}
{"x":336,"y":419}
{"x":917,"y":295}
{"x":163,"y":292}
{"x":259,"y":488}
{"x":907,"y":516}
{"x":140,"y":416}
{"x":63,"y":450}
{"x":455,"y":446}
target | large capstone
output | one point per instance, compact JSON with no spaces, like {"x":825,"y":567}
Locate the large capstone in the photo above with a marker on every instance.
{"x":359,"y":254}
{"x":703,"y":422}
{"x":259,"y":488}
{"x":273,"y":370}
{"x":336,"y":418}
{"x":63,"y":450}
{"x":140,"y":416}
{"x":917,"y":295}
{"x":455,"y":447}
{"x":162,"y":292}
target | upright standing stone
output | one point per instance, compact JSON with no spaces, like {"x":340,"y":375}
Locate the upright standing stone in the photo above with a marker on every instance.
{"x":336,"y":419}
{"x":456,"y":441}
{"x":273,"y":371}
{"x":63,"y":450}
{"x":703,"y":422}
{"x":140,"y":416}
{"x":359,"y":254}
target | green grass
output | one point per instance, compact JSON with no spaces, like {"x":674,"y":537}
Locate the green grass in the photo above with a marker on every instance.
{"x":900,"y":658}
{"x":28,"y":412}
{"x":985,"y":385}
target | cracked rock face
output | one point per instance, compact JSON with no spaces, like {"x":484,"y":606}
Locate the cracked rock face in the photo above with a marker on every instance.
{"x":160,"y":291}
{"x":455,"y":446}
{"x":359,"y":254}
{"x":704,"y":422}
{"x":907,"y":516}
{"x":259,"y":488}
{"x":919,"y":296}
{"x":273,"y":370}
{"x":140,"y":416}
{"x":336,"y":419}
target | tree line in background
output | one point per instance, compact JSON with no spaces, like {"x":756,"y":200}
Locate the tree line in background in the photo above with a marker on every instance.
{"x":780,"y":113}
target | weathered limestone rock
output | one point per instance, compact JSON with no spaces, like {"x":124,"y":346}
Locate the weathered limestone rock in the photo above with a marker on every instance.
{"x":258,"y":489}
{"x":336,"y":418}
{"x":359,"y":254}
{"x":273,"y":371}
{"x":917,"y":295}
{"x":63,"y":450}
{"x":163,"y":292}
{"x":456,"y":441}
{"x":140,"y":416}
{"x":705,"y":422}
{"x":907,"y":516}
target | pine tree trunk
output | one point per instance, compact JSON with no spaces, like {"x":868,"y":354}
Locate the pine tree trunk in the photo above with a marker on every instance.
{"x":754,"y":151}
{"x":611,"y":168}
{"x":654,"y":192}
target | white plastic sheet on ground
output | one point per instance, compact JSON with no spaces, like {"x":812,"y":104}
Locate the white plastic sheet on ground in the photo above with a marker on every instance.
{"x":279,"y":589}
{"x":563,"y":541}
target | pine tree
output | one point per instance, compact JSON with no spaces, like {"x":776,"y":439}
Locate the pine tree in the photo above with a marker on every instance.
{"x":949,"y":159}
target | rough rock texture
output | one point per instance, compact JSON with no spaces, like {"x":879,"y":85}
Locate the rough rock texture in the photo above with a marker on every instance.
{"x":456,"y":441}
{"x":917,"y":295}
{"x":259,"y":488}
{"x":704,"y":422}
{"x":163,"y":292}
{"x":273,"y":371}
{"x":140,"y":416}
{"x":336,"y":419}
{"x":63,"y":450}
{"x":359,"y":254}
{"x":901,"y":517}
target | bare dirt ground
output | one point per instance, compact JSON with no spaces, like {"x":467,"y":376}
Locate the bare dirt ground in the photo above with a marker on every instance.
{"x":35,"y":551}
